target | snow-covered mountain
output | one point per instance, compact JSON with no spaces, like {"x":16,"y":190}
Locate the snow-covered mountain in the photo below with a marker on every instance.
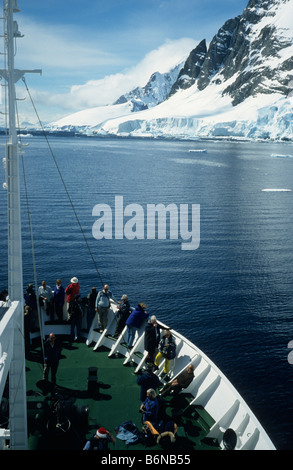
{"x":240,"y":86}
{"x":155,"y":91}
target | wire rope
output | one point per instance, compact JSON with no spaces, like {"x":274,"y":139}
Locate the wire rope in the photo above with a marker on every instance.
{"x":66,"y":190}
{"x":63,"y":182}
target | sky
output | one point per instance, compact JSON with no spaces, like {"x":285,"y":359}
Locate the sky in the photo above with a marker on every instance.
{"x":93,"y":51}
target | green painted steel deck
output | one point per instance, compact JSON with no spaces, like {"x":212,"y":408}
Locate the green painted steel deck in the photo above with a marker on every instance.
{"x":111,"y":399}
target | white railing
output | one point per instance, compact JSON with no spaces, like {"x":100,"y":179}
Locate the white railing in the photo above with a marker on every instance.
{"x":12,"y":361}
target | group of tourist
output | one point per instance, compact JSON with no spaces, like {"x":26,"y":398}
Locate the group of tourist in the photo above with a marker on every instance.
{"x":53,"y":302}
{"x":160,"y":346}
{"x":60,"y":299}
{"x":150,"y":382}
{"x":150,"y":406}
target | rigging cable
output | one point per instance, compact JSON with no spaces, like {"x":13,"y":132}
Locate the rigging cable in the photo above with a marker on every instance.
{"x":33,"y":248}
{"x":63,"y":182}
{"x":67,"y":192}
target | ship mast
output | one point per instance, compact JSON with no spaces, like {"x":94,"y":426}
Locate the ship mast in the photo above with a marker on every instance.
{"x":15,"y":283}
{"x":17,"y":382}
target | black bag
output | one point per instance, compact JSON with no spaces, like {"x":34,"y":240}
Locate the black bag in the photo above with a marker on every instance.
{"x":171,"y":351}
{"x":149,"y":439}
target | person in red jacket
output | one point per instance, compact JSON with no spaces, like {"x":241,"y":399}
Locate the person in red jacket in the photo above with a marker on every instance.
{"x":71,"y":291}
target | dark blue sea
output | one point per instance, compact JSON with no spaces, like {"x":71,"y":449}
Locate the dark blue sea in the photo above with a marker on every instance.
{"x":232,"y":297}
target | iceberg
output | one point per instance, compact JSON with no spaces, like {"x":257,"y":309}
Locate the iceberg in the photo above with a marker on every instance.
{"x":276,"y":190}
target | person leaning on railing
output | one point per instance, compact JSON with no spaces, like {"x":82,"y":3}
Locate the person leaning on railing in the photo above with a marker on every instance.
{"x":167,"y":351}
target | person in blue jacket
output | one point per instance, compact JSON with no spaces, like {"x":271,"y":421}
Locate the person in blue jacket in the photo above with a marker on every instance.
{"x":147,"y":380}
{"x":59,"y":299}
{"x":134,"y":321}
{"x":150,"y":407}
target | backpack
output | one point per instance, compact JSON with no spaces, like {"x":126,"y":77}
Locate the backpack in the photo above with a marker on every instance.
{"x":74,"y":311}
{"x":171,"y":352}
{"x":149,"y":434}
{"x":168,"y":348}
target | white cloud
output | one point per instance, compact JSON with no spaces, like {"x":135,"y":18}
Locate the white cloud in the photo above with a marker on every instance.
{"x":163,"y":58}
{"x":108,"y":89}
{"x":68,"y":57}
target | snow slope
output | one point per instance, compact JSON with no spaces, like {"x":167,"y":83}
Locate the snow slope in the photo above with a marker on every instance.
{"x":248,"y":94}
{"x":89,"y":117}
{"x":209,"y":114}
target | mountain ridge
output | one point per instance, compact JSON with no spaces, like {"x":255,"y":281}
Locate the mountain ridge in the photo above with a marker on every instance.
{"x":244,"y":78}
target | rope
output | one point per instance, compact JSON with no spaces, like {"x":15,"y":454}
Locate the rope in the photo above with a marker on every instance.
{"x":33,"y":247}
{"x":67,"y":192}
{"x":34,"y":260}
{"x":63,"y":182}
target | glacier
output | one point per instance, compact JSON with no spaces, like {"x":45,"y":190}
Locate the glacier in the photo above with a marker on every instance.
{"x":203,"y":114}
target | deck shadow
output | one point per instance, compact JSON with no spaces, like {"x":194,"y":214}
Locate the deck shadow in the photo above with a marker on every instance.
{"x":47,"y":387}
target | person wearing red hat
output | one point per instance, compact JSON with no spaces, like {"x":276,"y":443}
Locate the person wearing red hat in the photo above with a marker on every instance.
{"x":100,"y":440}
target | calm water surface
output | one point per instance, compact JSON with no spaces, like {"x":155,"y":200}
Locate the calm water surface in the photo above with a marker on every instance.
{"x":232,"y":296}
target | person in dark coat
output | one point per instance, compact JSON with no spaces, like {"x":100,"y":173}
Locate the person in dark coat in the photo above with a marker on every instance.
{"x":167,"y":351}
{"x":151,"y":338}
{"x":122,"y":314}
{"x":91,"y":306}
{"x":183,"y":380}
{"x":30,"y":300}
{"x":147,"y":380}
{"x":3,"y":295}
{"x":52,"y":351}
{"x":134,"y":321}
{"x":59,"y":299}
{"x":75,"y":317}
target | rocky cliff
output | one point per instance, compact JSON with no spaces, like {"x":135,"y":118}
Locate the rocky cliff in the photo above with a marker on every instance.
{"x":240,"y":85}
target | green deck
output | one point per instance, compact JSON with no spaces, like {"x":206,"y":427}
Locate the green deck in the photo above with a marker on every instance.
{"x":117,"y":401}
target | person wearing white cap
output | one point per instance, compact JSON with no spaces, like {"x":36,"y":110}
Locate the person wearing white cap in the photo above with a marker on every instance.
{"x":151,"y":338}
{"x":71,"y":291}
{"x":123,"y":312}
{"x":150,"y":407}
{"x":100,"y":440}
{"x":102,"y":306}
{"x":45,"y":295}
